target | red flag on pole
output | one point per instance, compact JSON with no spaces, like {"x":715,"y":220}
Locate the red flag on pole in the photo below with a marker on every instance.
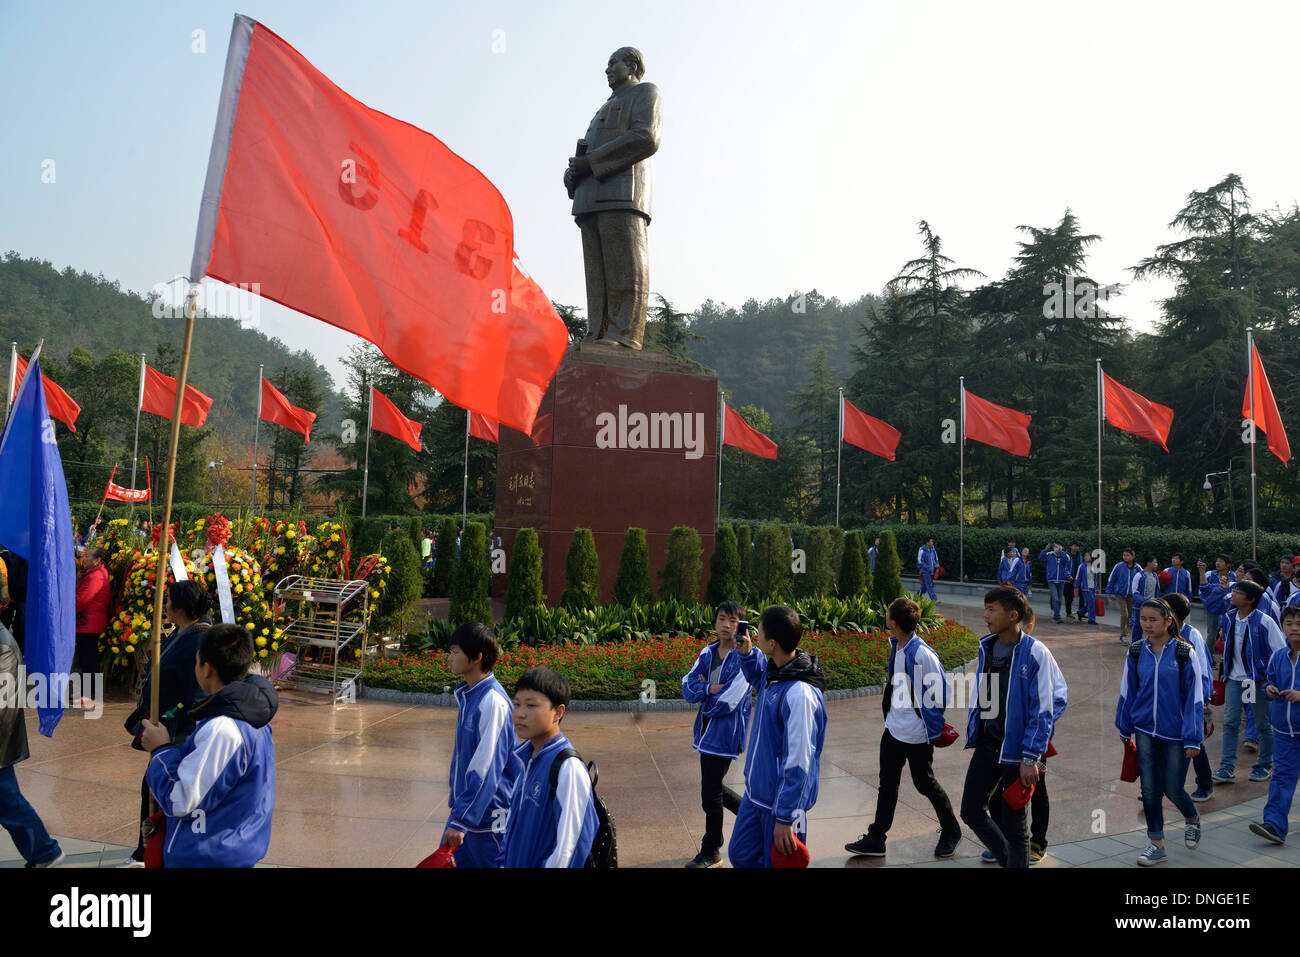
{"x":374,"y":226}
{"x":1131,"y":412}
{"x":116,"y":493}
{"x":860,"y":429}
{"x":159,"y":398}
{"x":57,"y":402}
{"x":996,"y":425}
{"x":481,"y":427}
{"x":740,"y":434}
{"x":385,"y":418}
{"x":1260,"y":407}
{"x":276,"y":408}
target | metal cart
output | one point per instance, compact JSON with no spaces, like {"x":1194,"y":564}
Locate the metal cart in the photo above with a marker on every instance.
{"x":326,"y":618}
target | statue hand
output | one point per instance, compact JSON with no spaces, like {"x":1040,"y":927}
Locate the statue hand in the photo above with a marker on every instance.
{"x":580,"y":165}
{"x":569,"y":179}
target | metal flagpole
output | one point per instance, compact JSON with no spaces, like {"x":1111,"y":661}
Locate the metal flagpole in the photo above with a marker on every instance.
{"x":139,"y":404}
{"x":1101,"y":415}
{"x":464,"y":495}
{"x":1254,"y":437}
{"x":722,"y":438}
{"x":257,"y":423}
{"x":13,"y":375}
{"x":961,"y":488}
{"x":839,"y":454}
{"x":370,"y":414}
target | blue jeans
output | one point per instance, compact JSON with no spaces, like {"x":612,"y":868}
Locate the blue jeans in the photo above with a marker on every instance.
{"x":21,"y":821}
{"x":1281,"y":789}
{"x":927,"y":585}
{"x":1232,"y":708}
{"x":1163,"y":766}
{"x":1058,"y":598}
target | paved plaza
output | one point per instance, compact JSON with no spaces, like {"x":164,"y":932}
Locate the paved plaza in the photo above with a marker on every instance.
{"x":365,"y":784}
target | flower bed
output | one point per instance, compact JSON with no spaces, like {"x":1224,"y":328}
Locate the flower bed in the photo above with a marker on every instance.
{"x":614,"y":672}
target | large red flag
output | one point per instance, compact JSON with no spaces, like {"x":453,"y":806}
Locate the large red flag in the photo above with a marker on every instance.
{"x":739,"y":433}
{"x":374,"y":226}
{"x":481,"y":427}
{"x":860,"y":429}
{"x":1127,"y":410}
{"x":57,"y":402}
{"x":996,"y":425}
{"x":1263,"y":409}
{"x":276,"y":408}
{"x":159,"y":397}
{"x":385,"y":418}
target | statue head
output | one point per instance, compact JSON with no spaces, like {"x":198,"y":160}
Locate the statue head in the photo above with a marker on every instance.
{"x":625,"y":63}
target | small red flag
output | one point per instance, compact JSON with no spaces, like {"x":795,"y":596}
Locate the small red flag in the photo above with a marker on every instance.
{"x":276,"y":408}
{"x":159,"y":397}
{"x":1130,"y":412}
{"x":372,"y":225}
{"x":1263,"y":410}
{"x":996,"y":425}
{"x":385,"y":418}
{"x":860,"y":429}
{"x":117,"y":493}
{"x":481,"y":427}
{"x":57,"y":402}
{"x":739,"y":433}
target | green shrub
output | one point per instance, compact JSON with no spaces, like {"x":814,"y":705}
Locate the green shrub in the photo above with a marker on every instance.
{"x":416,"y":528}
{"x":469,"y":582}
{"x":581,"y":572}
{"x":886,"y":583}
{"x":853,"y":567}
{"x":444,"y":559}
{"x":633,"y":585}
{"x":524,"y":593}
{"x":405,"y":583}
{"x":745,"y":552}
{"x":680,"y":578}
{"x":724,"y":568}
{"x":770,"y":565}
{"x":818,"y":577}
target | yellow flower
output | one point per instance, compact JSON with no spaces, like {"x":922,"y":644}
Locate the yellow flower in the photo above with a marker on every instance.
{"x":130,"y":649}
{"x":262,"y":653}
{"x":374,"y":593}
{"x":115,"y":649}
{"x":330,"y":553}
{"x":275,"y":646}
{"x":261,"y":642}
{"x":266,"y":631}
{"x":239,"y":588}
{"x":279,"y":549}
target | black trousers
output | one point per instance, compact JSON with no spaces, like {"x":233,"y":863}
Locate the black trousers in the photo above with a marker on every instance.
{"x":1069,"y":599}
{"x":920,"y":761}
{"x":714,"y":796}
{"x":1009,"y":842}
{"x":87,"y":654}
{"x":1040,"y":810}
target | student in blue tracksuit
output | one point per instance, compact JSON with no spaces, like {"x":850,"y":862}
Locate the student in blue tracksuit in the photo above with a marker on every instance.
{"x":1182,"y":609}
{"x":1250,"y":639}
{"x":1059,"y":568}
{"x":1075,"y":560}
{"x":1283,"y":690}
{"x":913,"y":704}
{"x":1180,"y":579}
{"x":218,"y":790}
{"x":721,"y":682}
{"x":1143,"y":585}
{"x":927,"y":560}
{"x":1214,"y":593}
{"x":1085,"y":585}
{"x":785,"y":747}
{"x":1014,"y":571}
{"x":547,"y":826}
{"x":1120,"y":584}
{"x":1161,"y":710}
{"x":1010,"y":723}
{"x":483,"y":763}
{"x":1266,"y":602}
{"x":1280,"y":584}
{"x":871,"y":553}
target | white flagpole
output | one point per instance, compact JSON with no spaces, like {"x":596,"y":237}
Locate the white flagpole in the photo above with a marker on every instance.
{"x":257,"y":423}
{"x":464,"y":495}
{"x":1101,"y":415}
{"x":839,"y":455}
{"x":1254,"y":438}
{"x":365,"y":475}
{"x":139,"y":404}
{"x":13,"y":376}
{"x":722,"y":438}
{"x":961,"y":488}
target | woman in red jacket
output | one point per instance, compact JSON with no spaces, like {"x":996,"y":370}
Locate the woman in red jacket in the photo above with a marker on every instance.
{"x":92,"y":613}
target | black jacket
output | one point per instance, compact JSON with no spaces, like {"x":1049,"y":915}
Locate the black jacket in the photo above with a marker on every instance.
{"x":800,"y":668}
{"x":252,"y":700}
{"x":177,"y":684}
{"x":13,"y":730}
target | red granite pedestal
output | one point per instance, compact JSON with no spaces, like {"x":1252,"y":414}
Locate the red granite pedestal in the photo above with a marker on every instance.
{"x":622,"y":440}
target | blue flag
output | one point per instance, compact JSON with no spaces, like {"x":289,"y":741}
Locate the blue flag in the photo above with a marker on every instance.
{"x":36,"y":524}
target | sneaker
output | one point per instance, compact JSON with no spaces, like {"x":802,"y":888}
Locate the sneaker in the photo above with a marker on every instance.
{"x":947,"y":844}
{"x":988,"y":857}
{"x":1152,"y":855}
{"x":1261,"y":774}
{"x":1224,"y":776}
{"x":1036,"y":853}
{"x":59,"y":858}
{"x":131,"y":862}
{"x":1251,"y":745}
{"x":1192,"y":836}
{"x":867,"y":846}
{"x":1266,"y":832}
{"x":705,"y":860}
{"x":1203,"y":794}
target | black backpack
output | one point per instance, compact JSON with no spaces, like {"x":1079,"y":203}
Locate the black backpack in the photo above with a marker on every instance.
{"x":1182,"y":651}
{"x":604,"y":846}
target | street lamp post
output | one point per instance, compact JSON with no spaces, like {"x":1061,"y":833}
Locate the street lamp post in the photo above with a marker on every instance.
{"x":1232,"y":505}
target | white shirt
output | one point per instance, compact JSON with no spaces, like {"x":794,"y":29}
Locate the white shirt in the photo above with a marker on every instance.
{"x":902,"y":721}
{"x":1239,"y":669}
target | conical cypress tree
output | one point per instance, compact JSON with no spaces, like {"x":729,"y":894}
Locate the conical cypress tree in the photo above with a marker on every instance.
{"x":680,"y":578}
{"x":581,"y":572}
{"x":633,"y":583}
{"x":888,"y":584}
{"x":469,"y":583}
{"x":444,"y":559}
{"x":724,"y":567}
{"x":524,"y":593}
{"x":853,"y":567}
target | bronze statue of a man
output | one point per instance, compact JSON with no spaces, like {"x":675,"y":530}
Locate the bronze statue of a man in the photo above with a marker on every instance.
{"x":611,"y":186}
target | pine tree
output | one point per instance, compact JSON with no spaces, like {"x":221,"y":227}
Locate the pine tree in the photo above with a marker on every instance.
{"x":444,"y":559}
{"x":853,"y":567}
{"x":771,"y":564}
{"x":724,"y":567}
{"x":581,"y":572}
{"x":524,"y":593}
{"x":633,"y":585}
{"x":405,"y":582}
{"x":680,"y":578}
{"x":887,"y":581}
{"x":469,"y":586}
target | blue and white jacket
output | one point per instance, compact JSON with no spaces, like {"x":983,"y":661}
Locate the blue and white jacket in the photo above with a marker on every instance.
{"x":1180,"y":581}
{"x":785,"y":749}
{"x":1151,"y":700}
{"x":1263,"y":638}
{"x":1084,"y":583}
{"x":218,"y":791}
{"x":1059,"y":565}
{"x":1194,"y":638}
{"x":1035,"y":701}
{"x":1278,"y":587}
{"x":1016,"y":571}
{"x":871,"y":553}
{"x":1215,"y":598}
{"x":1121,"y":579}
{"x":1138,"y":589}
{"x":483,"y":764}
{"x":927,"y":560}
{"x":1283,"y":674}
{"x":726,"y":713}
{"x":546,"y":831}
{"x":922,"y":685}
{"x":1294,"y":599}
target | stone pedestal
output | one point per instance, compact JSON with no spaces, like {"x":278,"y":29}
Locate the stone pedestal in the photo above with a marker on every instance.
{"x":622,"y":439}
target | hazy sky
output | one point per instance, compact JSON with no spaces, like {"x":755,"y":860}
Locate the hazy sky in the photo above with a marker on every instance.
{"x":801,"y":143}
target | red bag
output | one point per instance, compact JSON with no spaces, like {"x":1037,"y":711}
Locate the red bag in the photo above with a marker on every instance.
{"x":1218,"y":644}
{"x":1210,"y":733}
{"x":442,"y":857}
{"x":154,"y":838}
{"x":1219,"y":690}
{"x":1051,"y":751}
{"x":799,"y":857}
{"x":946,"y":737}
{"x":939,"y":571}
{"x":1129,"y":771}
{"x":1100,"y":604}
{"x":1018,"y":795}
{"x":1164,"y":577}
